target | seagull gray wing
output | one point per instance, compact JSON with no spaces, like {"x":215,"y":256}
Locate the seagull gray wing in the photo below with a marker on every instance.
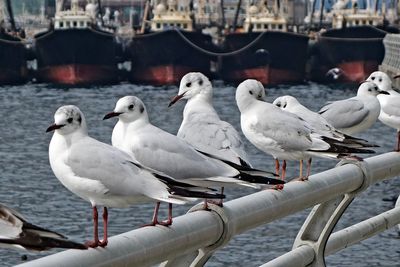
{"x":345,"y":113}
{"x":10,"y":223}
{"x":104,"y":169}
{"x":214,"y":136}
{"x":286,"y":130}
{"x":171,"y":155}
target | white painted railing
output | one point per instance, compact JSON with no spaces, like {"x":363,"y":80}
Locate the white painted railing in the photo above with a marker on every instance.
{"x":193,"y":237}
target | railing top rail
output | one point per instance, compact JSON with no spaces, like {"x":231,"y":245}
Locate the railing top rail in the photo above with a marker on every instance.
{"x":150,"y":245}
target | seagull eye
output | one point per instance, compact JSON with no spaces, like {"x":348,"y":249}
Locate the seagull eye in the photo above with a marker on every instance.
{"x":201,"y":82}
{"x":70,"y":120}
{"x":284,"y":106}
{"x":372,"y":78}
{"x":188,"y":84}
{"x":130,"y":107}
{"x":278,"y":104}
{"x":251,"y":92}
{"x":380,"y":79}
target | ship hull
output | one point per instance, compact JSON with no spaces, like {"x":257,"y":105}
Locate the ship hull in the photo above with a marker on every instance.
{"x":357,"y":51}
{"x":162,"y":58}
{"x":77,"y":56}
{"x":13,"y":53}
{"x":270,"y":57}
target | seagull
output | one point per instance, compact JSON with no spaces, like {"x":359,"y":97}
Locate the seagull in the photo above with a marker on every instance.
{"x":165,"y":152}
{"x":319,"y":123}
{"x":16,"y":232}
{"x":320,"y":126}
{"x":390,"y":103}
{"x":201,"y":126}
{"x":383,"y":81}
{"x":280,"y":133}
{"x":105,"y":176}
{"x":334,"y":73}
{"x":356,"y":114}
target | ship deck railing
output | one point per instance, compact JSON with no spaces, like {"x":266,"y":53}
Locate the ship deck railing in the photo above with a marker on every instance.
{"x":194,"y":237}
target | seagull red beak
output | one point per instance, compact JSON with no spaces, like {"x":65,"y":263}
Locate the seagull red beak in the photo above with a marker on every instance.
{"x":54,"y":127}
{"x":112,"y":114}
{"x":176,"y":99}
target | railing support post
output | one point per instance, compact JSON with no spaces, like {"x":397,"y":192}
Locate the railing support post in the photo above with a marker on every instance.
{"x":200,"y":257}
{"x":322,"y":219}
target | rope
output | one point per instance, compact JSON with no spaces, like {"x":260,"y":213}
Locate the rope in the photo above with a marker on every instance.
{"x":219,"y":54}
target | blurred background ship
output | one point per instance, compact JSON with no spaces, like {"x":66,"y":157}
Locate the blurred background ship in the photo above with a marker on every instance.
{"x":75,"y":42}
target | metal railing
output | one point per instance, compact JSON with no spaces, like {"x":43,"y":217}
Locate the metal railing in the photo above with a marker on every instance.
{"x":193,"y":237}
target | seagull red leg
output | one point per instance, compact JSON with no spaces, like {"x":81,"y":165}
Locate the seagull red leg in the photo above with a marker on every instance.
{"x":277,"y":167}
{"x":104,"y":242}
{"x":284,"y":170}
{"x":154,"y":221}
{"x":94,"y":243}
{"x":169,"y":221}
{"x":301,"y":170}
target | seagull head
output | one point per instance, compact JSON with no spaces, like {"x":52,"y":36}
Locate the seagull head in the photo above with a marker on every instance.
{"x":369,"y":88}
{"x":68,"y":119}
{"x":193,"y":84}
{"x":128,"y":109}
{"x":285,"y":102}
{"x":381,"y":79}
{"x":249,"y":91}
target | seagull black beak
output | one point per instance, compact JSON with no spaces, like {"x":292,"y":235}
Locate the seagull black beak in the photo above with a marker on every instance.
{"x":383,"y":92}
{"x":396,"y":76}
{"x":112,"y":114}
{"x":175,"y":99}
{"x":54,"y":127}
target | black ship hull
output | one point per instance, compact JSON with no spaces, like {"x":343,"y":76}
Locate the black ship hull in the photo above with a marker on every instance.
{"x":271,"y":57}
{"x":77,"y":56}
{"x":162,"y":58}
{"x":356,"y":51}
{"x":13,"y":69}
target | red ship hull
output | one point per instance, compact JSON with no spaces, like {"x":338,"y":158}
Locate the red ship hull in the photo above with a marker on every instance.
{"x":75,"y":74}
{"x":265,"y":75}
{"x":160,"y":75}
{"x":357,"y":71}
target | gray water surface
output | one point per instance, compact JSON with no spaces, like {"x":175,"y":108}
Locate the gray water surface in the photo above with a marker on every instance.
{"x":28,"y":184}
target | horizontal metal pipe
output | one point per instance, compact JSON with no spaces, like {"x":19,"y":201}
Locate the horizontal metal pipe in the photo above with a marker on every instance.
{"x":301,"y":256}
{"x":147,"y":246}
{"x":144,"y":246}
{"x":304,"y":255}
{"x":361,"y":231}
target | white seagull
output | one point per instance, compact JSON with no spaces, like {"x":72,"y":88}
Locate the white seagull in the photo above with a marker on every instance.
{"x":201,"y":126}
{"x":282,"y":134}
{"x":319,"y":123}
{"x":356,"y":114}
{"x":16,"y":232}
{"x":390,"y":103}
{"x":105,"y":176}
{"x":383,"y":81}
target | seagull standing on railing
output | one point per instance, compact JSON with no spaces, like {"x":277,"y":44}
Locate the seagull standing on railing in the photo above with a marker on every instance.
{"x":356,"y":114}
{"x":104,"y":175}
{"x":390,"y":103}
{"x":282,"y":134}
{"x":320,"y":126}
{"x":201,"y":126}
{"x":16,"y":232}
{"x":167,"y":153}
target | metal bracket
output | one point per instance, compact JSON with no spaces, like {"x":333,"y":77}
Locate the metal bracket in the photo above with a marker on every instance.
{"x":323,"y":218}
{"x":200,"y":257}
